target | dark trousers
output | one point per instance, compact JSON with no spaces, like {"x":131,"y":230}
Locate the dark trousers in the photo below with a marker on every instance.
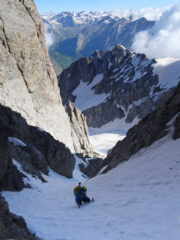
{"x":86,"y":199}
{"x":83,"y":199}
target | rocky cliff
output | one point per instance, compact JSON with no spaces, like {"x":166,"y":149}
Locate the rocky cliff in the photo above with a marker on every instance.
{"x":118,"y":84}
{"x":165,"y":119}
{"x":28,"y":82}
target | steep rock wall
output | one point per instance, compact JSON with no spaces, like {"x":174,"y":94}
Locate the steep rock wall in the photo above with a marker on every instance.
{"x":28,"y":82}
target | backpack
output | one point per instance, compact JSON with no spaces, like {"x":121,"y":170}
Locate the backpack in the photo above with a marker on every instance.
{"x":76,"y":190}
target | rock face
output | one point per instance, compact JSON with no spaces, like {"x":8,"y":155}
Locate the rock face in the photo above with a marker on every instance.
{"x":80,"y":134}
{"x":177,"y":128}
{"x":28,"y":82}
{"x":89,"y":168}
{"x":117,"y":84}
{"x":150,"y":129}
{"x":34,"y":149}
{"x":12,"y":226}
{"x":78,"y":34}
{"x":10,"y":177}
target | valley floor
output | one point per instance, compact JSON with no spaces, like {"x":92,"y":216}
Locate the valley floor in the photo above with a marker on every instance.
{"x":138,"y":200}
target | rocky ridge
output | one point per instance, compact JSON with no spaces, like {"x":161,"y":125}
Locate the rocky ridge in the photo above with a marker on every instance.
{"x":121,"y":85}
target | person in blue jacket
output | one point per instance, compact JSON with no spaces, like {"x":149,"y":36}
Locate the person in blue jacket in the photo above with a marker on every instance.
{"x":81,"y":196}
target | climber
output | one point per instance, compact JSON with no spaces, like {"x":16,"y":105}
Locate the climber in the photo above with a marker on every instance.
{"x":81,"y":196}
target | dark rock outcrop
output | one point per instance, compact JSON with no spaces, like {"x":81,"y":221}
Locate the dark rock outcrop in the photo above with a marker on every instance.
{"x":32,"y":161}
{"x":103,"y":113}
{"x":33,"y":148}
{"x":150,"y":129}
{"x":13,"y":226}
{"x":13,"y":180}
{"x":89,"y":168}
{"x":177,"y":128}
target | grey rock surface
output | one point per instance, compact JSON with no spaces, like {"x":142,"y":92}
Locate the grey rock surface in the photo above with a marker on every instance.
{"x":28,"y":83}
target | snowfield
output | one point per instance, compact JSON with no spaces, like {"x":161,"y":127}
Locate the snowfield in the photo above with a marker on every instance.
{"x":105,"y":137}
{"x":168,"y":71}
{"x":85,"y":96}
{"x":138,"y":200}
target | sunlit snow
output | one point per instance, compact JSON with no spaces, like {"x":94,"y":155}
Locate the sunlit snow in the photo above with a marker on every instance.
{"x":138,"y":200}
{"x":105,"y":137}
{"x":85,"y":96}
{"x":168,"y":70}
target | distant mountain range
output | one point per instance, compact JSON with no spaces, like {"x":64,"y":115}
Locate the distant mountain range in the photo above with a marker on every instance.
{"x":79,"y":34}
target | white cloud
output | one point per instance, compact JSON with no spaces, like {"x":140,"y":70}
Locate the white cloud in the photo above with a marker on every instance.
{"x":48,"y":36}
{"x":148,"y":13}
{"x":163,"y":39}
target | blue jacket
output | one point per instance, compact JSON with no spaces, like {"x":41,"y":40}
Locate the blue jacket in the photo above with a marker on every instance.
{"x":80,"y":196}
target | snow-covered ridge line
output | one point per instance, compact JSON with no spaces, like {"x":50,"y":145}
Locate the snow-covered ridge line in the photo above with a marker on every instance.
{"x":83,"y":16}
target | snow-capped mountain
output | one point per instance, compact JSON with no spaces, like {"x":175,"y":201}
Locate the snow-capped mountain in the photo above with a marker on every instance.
{"x":79,"y":34}
{"x":118,"y":85}
{"x":69,"y":19}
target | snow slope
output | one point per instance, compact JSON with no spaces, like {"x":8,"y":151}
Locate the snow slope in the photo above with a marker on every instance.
{"x":138,"y":200}
{"x":86,"y":98}
{"x":105,"y":137}
{"x":168,"y":71}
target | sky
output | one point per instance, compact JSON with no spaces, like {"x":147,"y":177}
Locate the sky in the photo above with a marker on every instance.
{"x":98,"y":5}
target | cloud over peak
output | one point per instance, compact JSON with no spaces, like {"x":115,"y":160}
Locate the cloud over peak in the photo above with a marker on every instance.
{"x":162,"y":40}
